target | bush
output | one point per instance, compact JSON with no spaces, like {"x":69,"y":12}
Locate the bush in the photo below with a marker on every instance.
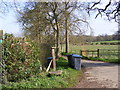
{"x":64,"y":53}
{"x":67,"y":79}
{"x":96,"y":43}
{"x":21,"y":57}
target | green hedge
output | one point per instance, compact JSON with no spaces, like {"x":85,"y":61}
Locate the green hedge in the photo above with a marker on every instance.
{"x":67,"y":79}
{"x":21,"y":58}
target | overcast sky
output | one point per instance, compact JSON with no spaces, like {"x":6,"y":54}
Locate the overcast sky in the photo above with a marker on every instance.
{"x":9,"y":24}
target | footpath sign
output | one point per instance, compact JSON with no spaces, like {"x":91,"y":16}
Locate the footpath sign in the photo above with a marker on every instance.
{"x":0,"y":41}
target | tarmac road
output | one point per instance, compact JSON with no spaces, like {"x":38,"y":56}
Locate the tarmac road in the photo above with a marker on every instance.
{"x":99,"y":75}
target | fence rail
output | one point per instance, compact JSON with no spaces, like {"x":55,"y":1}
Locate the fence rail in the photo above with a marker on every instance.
{"x":102,"y":53}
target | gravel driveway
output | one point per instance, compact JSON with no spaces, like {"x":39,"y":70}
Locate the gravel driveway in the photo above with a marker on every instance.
{"x":99,"y":75}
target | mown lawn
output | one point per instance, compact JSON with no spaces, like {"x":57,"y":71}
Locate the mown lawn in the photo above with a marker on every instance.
{"x":68,"y":79}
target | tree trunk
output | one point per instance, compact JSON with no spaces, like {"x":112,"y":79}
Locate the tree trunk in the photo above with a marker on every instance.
{"x":66,"y":30}
{"x":67,"y":37}
{"x":57,"y":40}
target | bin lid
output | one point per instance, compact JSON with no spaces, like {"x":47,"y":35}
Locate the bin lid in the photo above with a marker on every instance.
{"x":77,"y":56}
{"x":49,"y":58}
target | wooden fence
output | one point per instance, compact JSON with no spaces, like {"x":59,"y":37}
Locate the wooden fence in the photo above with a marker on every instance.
{"x":102,"y":53}
{"x":92,"y":53}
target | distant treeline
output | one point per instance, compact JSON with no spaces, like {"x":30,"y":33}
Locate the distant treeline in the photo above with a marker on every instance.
{"x":114,"y":42}
{"x":97,"y":40}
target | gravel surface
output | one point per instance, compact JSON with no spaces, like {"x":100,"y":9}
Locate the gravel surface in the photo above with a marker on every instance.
{"x":99,"y":75}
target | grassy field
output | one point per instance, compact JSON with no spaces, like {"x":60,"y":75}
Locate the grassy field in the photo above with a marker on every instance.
{"x":108,"y":52}
{"x":76,"y":48}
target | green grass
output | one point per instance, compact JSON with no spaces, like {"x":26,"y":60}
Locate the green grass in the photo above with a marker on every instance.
{"x":68,"y":79}
{"x":102,"y":59}
{"x":77,"y":48}
{"x":106,"y":56}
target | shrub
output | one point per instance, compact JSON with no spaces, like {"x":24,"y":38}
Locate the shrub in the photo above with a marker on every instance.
{"x":96,"y":43}
{"x":21,"y":57}
{"x":64,"y":53}
{"x":67,"y":79}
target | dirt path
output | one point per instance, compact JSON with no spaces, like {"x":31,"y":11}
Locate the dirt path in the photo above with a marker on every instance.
{"x":99,"y":75}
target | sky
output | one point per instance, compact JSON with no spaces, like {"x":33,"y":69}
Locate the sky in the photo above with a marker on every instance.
{"x":8,"y":23}
{"x":103,"y":26}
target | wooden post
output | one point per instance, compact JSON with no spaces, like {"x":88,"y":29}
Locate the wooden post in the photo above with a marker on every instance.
{"x":81,"y":52}
{"x":98,"y":53}
{"x":53,"y":56}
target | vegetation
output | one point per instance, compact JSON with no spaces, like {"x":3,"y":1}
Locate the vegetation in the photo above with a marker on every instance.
{"x":108,"y":41}
{"x":41,"y":20}
{"x":65,"y":54}
{"x":108,"y":53}
{"x":68,"y":78}
{"x":113,"y":42}
{"x":77,"y":48}
{"x":94,"y":40}
{"x":21,"y":58}
{"x":48,"y":24}
{"x":102,"y":59}
{"x":95,"y":58}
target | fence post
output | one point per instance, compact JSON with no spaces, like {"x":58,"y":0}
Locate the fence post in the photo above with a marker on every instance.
{"x":81,"y":52}
{"x":98,"y":52}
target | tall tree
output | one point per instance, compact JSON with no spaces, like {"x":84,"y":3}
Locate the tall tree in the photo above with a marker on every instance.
{"x":111,"y":9}
{"x":41,"y":17}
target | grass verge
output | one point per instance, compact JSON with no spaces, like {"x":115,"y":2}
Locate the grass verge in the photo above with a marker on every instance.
{"x":101,"y":59}
{"x":68,"y":79}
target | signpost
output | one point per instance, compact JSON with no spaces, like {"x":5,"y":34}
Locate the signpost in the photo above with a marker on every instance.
{"x":1,"y":38}
{"x":53,"y":58}
{"x":1,"y":74}
{"x":1,"y":35}
{"x":59,"y":72}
